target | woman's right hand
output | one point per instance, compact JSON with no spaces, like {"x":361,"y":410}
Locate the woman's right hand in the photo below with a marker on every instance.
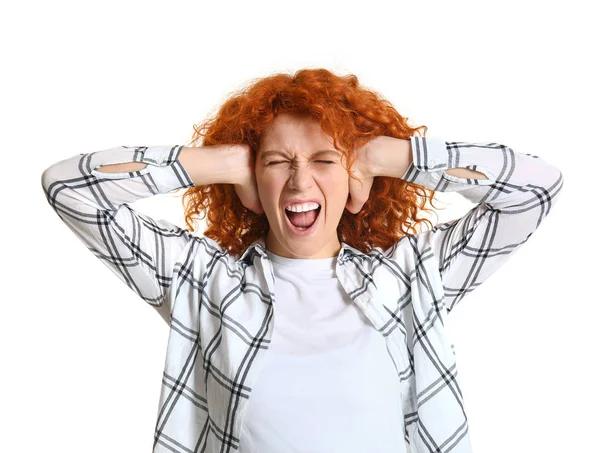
{"x":246,"y":188}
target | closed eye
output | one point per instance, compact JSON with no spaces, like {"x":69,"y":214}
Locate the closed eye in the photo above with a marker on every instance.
{"x":282,"y":162}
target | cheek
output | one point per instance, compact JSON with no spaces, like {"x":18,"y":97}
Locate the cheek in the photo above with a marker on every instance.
{"x":268,"y":187}
{"x":336,"y":188}
{"x":339,"y":182}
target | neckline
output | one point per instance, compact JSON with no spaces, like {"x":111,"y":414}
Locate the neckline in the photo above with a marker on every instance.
{"x":318,"y":264}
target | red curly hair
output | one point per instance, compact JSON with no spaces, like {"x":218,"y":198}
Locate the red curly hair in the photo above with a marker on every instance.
{"x":351,"y":115}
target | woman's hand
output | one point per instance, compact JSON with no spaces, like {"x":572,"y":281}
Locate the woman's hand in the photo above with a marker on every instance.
{"x":246,"y":187}
{"x":359,"y":190}
{"x":380,"y":156}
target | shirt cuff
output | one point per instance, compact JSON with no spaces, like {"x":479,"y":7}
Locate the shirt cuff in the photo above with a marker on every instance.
{"x":429,"y":155}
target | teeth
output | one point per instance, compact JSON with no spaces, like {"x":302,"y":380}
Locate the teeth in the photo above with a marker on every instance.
{"x":303,"y":207}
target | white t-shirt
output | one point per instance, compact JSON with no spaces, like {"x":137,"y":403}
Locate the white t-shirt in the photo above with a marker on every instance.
{"x":328,"y":383}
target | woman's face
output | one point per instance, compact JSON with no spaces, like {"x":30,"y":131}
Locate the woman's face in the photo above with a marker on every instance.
{"x":300,"y":169}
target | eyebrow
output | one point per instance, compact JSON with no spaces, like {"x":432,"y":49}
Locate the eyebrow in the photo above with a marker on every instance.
{"x":266,"y":154}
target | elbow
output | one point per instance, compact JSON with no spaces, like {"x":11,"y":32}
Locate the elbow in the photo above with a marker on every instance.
{"x":47,"y":178}
{"x":558,"y":184}
{"x":554,"y":180}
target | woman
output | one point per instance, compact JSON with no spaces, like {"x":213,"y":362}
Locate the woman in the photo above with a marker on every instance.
{"x":310,"y":316}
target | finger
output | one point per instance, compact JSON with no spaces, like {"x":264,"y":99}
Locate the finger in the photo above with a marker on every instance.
{"x":259,"y":208}
{"x":356,"y":188}
{"x":350,"y":202}
{"x":363,"y":195}
{"x":359,"y":194}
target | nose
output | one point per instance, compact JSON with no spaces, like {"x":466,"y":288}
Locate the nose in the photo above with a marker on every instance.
{"x":301,"y":178}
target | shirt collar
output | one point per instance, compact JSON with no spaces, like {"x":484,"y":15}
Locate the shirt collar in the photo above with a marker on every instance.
{"x":259,"y":247}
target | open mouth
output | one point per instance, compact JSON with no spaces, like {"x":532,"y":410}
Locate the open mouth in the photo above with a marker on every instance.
{"x":303,"y":222}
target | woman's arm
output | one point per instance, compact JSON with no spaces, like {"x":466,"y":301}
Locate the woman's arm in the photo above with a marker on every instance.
{"x":90,"y":193}
{"x":514,"y":192}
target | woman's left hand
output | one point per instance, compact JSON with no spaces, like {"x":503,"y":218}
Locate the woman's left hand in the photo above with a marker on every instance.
{"x":380,"y":156}
{"x":359,"y":190}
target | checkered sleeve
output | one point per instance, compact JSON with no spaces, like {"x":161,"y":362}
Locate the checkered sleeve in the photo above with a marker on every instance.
{"x":519,"y":192}
{"x":140,"y":250}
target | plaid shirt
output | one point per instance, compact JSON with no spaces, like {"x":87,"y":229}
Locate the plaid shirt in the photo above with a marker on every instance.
{"x":220,"y":308}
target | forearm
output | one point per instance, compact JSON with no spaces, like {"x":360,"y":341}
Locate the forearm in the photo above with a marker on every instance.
{"x":130,"y":179}
{"x":460,"y":172}
{"x":219,"y":164}
{"x":205,"y":165}
{"x":509,"y":175}
{"x":393,"y":156}
{"x":122,"y":168}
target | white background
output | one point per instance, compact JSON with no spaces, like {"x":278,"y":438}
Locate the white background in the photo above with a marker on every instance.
{"x":82,"y":356}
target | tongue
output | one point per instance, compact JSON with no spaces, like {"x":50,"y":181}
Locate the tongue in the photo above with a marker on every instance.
{"x":303,"y":219}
